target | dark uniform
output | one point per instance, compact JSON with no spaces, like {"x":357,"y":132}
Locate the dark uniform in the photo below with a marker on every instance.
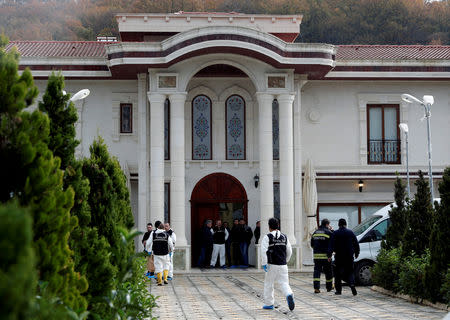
{"x":320,"y":241}
{"x":345,"y":246}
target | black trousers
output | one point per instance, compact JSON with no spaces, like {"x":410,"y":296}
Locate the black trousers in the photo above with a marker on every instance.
{"x":343,"y":271}
{"x":322,"y":265}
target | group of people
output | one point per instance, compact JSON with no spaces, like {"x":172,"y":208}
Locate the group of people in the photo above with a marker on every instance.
{"x":344,"y":245}
{"x":229,"y":246}
{"x":159,"y":244}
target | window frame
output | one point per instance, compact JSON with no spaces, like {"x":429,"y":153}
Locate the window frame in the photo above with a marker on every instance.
{"x":210,"y":127}
{"x":245,"y":128}
{"x":122,"y":105}
{"x":168,"y":123}
{"x":399,"y":149}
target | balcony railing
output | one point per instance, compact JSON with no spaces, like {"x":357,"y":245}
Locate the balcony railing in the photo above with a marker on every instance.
{"x":383,"y":151}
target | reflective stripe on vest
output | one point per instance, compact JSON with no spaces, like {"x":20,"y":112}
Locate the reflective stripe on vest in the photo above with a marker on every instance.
{"x":320,"y":256}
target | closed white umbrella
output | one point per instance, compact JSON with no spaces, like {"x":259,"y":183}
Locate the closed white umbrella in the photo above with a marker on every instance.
{"x":310,"y":199}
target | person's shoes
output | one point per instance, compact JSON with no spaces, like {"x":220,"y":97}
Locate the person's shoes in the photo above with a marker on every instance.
{"x":233,"y":266}
{"x":268,"y":307}
{"x":316,"y":290}
{"x":338,"y":293}
{"x":290,"y":301}
{"x":329,"y":289}
{"x":169,"y":278}
{"x":166,"y":282}
{"x":148,"y":273}
{"x":159,"y":284}
{"x":224,"y":266}
{"x":354,"y":290}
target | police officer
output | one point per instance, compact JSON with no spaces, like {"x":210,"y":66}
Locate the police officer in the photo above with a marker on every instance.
{"x":220,"y":235}
{"x":275,"y":254}
{"x":160,"y":244}
{"x":173,"y":236}
{"x":345,"y":246}
{"x":322,"y":263}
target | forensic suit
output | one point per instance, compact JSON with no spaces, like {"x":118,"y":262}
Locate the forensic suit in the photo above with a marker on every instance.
{"x":160,"y":244}
{"x":275,"y":253}
{"x":220,"y":236}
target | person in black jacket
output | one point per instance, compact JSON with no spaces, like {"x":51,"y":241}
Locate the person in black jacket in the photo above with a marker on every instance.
{"x":150,"y":266}
{"x":228,"y":244}
{"x":246,"y":236}
{"x":257,"y":232}
{"x":320,"y":242}
{"x":235,"y":239}
{"x":345,"y":246}
{"x":206,"y":241}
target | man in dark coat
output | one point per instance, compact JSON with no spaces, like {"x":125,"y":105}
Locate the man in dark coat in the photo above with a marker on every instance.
{"x":206,"y":241}
{"x":150,"y":265}
{"x":346,"y":247}
{"x":257,"y":232}
{"x":246,"y":236}
{"x":228,"y":244}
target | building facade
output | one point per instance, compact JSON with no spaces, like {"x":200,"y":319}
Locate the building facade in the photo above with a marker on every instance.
{"x":215,"y":116}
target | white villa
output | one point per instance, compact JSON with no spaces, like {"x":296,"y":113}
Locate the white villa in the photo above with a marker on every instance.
{"x":215,"y":115}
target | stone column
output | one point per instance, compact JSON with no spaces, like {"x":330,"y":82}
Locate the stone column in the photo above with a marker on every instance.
{"x":286,"y":166}
{"x":265,"y":159}
{"x":177,"y":159}
{"x":143,"y":195}
{"x":156,"y":156}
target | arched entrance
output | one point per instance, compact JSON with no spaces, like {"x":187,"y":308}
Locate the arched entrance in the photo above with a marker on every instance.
{"x":216,"y":196}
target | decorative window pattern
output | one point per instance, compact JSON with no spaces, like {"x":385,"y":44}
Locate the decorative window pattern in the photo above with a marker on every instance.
{"x":235,"y":126}
{"x":167,"y":202}
{"x":383,"y":143}
{"x":275,"y":130}
{"x":167,"y":130}
{"x":201,"y":128}
{"x":126,"y":118}
{"x":276,"y":200}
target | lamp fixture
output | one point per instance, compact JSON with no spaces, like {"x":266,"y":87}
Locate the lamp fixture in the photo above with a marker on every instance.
{"x":256,"y":179}
{"x":360,"y":185}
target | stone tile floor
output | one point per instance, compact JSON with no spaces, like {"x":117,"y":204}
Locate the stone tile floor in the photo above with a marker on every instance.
{"x":238,"y":295}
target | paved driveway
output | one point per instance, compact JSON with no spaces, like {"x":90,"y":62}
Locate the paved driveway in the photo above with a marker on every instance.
{"x":226,"y":295}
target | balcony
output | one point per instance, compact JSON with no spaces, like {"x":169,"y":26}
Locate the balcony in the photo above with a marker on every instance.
{"x":383,"y":151}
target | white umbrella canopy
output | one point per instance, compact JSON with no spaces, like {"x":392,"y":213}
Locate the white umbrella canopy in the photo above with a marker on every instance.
{"x":310,"y":199}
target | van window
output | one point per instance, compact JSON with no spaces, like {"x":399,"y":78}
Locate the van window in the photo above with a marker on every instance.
{"x":381,"y":229}
{"x":360,"y":228}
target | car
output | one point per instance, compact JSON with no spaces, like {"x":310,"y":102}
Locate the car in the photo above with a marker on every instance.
{"x":370,"y":233}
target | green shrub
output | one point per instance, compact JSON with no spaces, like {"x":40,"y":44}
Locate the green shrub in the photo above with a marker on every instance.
{"x":412,"y":274}
{"x":445,"y":289}
{"x":17,"y":263}
{"x":386,"y":271}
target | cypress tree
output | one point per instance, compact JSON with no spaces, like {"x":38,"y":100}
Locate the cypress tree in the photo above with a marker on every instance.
{"x":439,"y":242}
{"x":92,"y":252}
{"x":17,"y":270}
{"x":31,"y":174}
{"x":419,"y":220}
{"x":397,"y":215}
{"x":109,"y":201}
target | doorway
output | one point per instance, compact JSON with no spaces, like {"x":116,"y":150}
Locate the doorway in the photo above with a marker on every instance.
{"x":216,"y":196}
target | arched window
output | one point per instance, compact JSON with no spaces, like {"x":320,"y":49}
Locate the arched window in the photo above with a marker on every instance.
{"x":167,"y":129}
{"x":201,"y":128}
{"x":235,"y":127}
{"x":275,"y":130}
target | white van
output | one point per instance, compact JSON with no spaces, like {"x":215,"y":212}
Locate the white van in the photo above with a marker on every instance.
{"x":369,"y":233}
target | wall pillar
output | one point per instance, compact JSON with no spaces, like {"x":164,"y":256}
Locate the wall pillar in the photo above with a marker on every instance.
{"x":286,"y":166}
{"x":143,"y":166}
{"x":156,"y":155}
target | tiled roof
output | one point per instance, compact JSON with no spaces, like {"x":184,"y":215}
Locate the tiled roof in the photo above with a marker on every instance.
{"x":85,"y":49}
{"x":392,"y":52}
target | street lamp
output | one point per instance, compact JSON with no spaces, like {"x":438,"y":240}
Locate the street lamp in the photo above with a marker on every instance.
{"x":404,"y":128}
{"x":83,"y":93}
{"x":426,"y":103}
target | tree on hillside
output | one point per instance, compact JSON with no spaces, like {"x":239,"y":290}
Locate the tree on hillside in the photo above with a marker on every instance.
{"x":419,"y":220}
{"x":31,"y":175}
{"x":397,"y":215}
{"x":439,"y":242}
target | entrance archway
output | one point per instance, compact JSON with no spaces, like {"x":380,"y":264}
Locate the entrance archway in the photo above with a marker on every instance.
{"x":216,"y":196}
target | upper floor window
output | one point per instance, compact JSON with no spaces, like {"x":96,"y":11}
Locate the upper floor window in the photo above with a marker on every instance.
{"x":167,"y":130}
{"x":383,"y":143}
{"x":235,"y":128}
{"x":201,"y":128}
{"x":275,"y":130}
{"x":126,"y":118}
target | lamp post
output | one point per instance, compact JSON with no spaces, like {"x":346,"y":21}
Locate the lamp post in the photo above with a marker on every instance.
{"x":83,"y":93}
{"x":426,"y":103}
{"x":404,"y":128}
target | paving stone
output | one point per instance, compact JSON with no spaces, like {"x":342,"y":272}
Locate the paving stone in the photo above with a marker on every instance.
{"x":239,"y":295}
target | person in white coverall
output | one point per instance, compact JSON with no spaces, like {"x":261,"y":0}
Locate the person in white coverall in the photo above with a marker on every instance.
{"x":173,"y":236}
{"x":160,"y":244}
{"x":275,"y":254}
{"x":220,"y":235}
